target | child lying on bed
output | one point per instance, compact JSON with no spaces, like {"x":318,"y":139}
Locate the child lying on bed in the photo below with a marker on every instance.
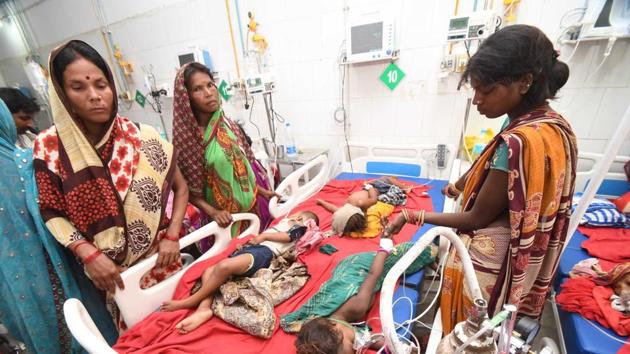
{"x":256,"y":254}
{"x":361,"y":214}
{"x":329,"y":314}
{"x":322,"y":322}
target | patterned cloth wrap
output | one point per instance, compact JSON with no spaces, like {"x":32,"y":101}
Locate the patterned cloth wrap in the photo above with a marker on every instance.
{"x":542,"y":156}
{"x":389,"y":193}
{"x":345,"y":282}
{"x":248,"y":302}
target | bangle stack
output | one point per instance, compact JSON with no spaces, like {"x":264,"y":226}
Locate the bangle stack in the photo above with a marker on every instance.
{"x":416,"y":218}
{"x":89,"y":259}
{"x":452,"y":191}
{"x":170,"y":237}
{"x":74,"y":246}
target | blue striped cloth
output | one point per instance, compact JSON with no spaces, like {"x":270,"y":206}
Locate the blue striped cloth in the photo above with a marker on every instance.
{"x":601,"y":212}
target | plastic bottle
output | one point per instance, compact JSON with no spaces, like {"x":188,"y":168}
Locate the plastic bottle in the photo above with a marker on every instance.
{"x":290,"y":146}
{"x":161,"y":132}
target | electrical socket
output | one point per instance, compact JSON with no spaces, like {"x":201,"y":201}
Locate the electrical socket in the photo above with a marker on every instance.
{"x":441,"y":156}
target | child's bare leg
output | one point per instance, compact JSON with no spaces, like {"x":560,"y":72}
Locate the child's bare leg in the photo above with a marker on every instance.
{"x":201,"y":315}
{"x":211,"y":280}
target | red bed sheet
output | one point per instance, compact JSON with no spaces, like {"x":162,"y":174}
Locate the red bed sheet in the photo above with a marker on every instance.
{"x":607,"y":243}
{"x":156,"y":333}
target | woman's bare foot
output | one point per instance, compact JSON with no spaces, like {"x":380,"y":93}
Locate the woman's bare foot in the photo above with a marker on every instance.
{"x":193,"y":321}
{"x":173,"y":305}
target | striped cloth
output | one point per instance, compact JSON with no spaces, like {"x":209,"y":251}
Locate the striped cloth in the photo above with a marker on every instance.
{"x":601,"y":212}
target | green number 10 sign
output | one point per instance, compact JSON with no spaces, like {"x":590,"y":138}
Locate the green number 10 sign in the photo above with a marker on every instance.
{"x":392,"y":76}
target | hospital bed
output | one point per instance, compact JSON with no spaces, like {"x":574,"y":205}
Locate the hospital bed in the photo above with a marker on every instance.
{"x":408,"y":162}
{"x":581,"y":335}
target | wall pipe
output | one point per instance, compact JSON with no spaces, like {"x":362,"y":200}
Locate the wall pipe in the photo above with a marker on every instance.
{"x":229,"y":18}
{"x":240,"y":25}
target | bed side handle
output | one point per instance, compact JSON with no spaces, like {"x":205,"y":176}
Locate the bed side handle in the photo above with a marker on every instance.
{"x":297,"y":193}
{"x":136,"y":303}
{"x":83,"y":328}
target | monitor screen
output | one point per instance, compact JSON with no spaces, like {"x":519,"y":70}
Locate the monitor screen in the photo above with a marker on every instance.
{"x":186,"y":58}
{"x":367,"y":38}
{"x":458,"y":23}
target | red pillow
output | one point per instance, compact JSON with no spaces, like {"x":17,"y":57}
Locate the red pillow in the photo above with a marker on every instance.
{"x":623,"y":203}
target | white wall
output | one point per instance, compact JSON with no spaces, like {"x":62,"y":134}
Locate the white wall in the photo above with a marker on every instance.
{"x":305,"y":37}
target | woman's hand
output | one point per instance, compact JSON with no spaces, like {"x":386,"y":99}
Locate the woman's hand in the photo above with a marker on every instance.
{"x":394,"y":227}
{"x":451,"y":191}
{"x":222,"y":217}
{"x":105,"y":274}
{"x":168,"y":253}
{"x":267,"y":194}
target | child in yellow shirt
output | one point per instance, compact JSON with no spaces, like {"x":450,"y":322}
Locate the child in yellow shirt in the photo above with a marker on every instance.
{"x":362,"y":213}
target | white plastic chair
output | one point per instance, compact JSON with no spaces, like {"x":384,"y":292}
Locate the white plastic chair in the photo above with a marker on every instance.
{"x":83,"y":328}
{"x":136,"y":303}
{"x":297,"y":193}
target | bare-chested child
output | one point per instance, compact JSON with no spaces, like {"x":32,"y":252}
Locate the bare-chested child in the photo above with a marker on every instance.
{"x":256,"y":254}
{"x":362,"y":212}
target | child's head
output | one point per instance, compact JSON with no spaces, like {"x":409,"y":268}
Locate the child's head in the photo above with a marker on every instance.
{"x":302,"y":216}
{"x":348,"y":219}
{"x":323,"y":336}
{"x":621,"y":285}
{"x":356,"y":223}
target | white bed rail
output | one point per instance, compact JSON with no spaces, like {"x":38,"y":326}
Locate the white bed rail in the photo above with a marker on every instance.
{"x":421,"y":155}
{"x":290,"y":186}
{"x":136,"y":303}
{"x":389,"y":284}
{"x":598,"y":172}
{"x":582,"y":178}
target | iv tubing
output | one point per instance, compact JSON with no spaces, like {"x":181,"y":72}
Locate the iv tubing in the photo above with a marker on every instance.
{"x":229,"y":18}
{"x":387,"y":293}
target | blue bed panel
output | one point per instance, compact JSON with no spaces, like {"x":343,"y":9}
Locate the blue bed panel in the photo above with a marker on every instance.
{"x":582,"y":338}
{"x":569,"y":258}
{"x":393,"y":168}
{"x":572,"y":254}
{"x":615,"y":187}
{"x":404,"y":310}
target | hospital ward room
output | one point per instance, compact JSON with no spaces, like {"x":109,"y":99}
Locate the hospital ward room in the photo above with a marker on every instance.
{"x":315,"y":177}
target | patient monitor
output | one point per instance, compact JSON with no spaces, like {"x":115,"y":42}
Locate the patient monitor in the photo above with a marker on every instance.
{"x":370,"y":37}
{"x":606,"y":18}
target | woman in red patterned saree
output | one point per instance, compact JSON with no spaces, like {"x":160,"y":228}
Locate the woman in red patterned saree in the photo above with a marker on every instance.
{"x":517,"y":194}
{"x":103,"y":180}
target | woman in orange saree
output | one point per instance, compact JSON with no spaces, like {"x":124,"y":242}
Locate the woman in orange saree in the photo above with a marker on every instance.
{"x":517,"y":194}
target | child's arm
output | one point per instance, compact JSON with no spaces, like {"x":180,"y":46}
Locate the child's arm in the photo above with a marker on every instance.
{"x":271,"y":236}
{"x":355,"y":308}
{"x":293,"y":234}
{"x":372,"y":197}
{"x":328,"y":206}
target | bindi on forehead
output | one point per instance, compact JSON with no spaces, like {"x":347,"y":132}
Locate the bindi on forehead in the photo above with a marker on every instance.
{"x":87,"y":77}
